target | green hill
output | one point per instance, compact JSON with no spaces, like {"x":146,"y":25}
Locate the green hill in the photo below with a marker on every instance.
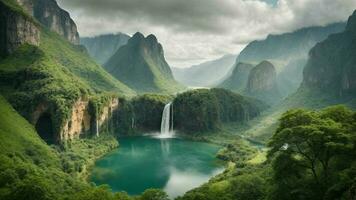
{"x":26,"y":159}
{"x":141,"y":65}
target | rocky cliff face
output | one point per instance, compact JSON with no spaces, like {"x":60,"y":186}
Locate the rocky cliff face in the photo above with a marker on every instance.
{"x":238,"y":78}
{"x":102,"y":47}
{"x":16,"y":29}
{"x":141,"y":65}
{"x":82,"y":120}
{"x":288,"y":52}
{"x":48,"y":13}
{"x":262,"y":83}
{"x":332,"y":63}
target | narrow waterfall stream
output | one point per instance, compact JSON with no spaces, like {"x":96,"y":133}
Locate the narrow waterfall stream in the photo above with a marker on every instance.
{"x":167,"y":123}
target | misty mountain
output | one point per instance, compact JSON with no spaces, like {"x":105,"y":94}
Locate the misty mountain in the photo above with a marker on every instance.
{"x":141,"y":65}
{"x":205,"y":74}
{"x":287,"y":52}
{"x":102,"y":47}
{"x":331,"y":68}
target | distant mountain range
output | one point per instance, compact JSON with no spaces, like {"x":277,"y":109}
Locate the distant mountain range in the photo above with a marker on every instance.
{"x":141,"y":65}
{"x":205,"y":74}
{"x":287,"y":52}
{"x":102,"y":47}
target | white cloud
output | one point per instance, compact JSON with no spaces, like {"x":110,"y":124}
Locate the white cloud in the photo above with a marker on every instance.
{"x":193,"y":31}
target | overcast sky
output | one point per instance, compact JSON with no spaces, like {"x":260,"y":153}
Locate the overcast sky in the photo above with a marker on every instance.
{"x":193,"y":31}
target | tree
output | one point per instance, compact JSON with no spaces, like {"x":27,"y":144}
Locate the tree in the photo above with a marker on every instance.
{"x":248,"y":187}
{"x":308,"y":151}
{"x":154,"y":194}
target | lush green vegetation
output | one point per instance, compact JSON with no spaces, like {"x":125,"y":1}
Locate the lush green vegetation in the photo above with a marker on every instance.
{"x":32,"y":170}
{"x":141,"y":65}
{"x":311,"y":156}
{"x":205,"y":110}
{"x":56,"y":73}
{"x":141,"y":114}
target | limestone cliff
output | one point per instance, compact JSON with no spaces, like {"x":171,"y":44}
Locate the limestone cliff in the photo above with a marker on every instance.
{"x":16,"y":29}
{"x":48,"y":13}
{"x":331,"y":67}
{"x":262,"y":83}
{"x":82,"y":120}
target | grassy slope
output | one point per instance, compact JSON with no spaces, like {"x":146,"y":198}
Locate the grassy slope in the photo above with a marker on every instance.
{"x":25,"y":158}
{"x":163,"y":83}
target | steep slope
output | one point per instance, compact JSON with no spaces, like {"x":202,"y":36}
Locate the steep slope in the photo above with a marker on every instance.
{"x":331,"y":68}
{"x":237,"y":81}
{"x":30,"y":169}
{"x":205,"y":74}
{"x":102,"y":47}
{"x":262,"y":83}
{"x":54,"y":80}
{"x":49,"y":14}
{"x":288,"y":53}
{"x":141,"y":65}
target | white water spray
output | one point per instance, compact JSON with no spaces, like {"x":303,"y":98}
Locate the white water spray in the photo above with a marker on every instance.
{"x":166,"y":124}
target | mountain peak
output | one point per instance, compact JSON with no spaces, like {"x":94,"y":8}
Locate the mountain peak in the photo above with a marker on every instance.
{"x":141,"y":65}
{"x":351,"y":23}
{"x":138,"y":36}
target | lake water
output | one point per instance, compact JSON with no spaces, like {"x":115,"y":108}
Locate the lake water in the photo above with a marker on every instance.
{"x":174,"y":165}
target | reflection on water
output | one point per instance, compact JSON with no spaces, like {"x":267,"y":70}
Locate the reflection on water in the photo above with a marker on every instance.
{"x":181,"y":181}
{"x":171,"y":164}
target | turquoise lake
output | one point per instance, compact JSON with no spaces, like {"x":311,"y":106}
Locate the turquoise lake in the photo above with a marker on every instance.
{"x":174,"y":165}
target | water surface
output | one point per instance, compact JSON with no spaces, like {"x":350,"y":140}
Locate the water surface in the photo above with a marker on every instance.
{"x":174,"y":165}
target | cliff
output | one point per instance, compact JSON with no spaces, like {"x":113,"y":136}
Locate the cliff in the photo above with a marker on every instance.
{"x":237,"y":80}
{"x":262,"y":83}
{"x":331,"y":67}
{"x":16,"y":29}
{"x":288,"y":52}
{"x":48,"y":13}
{"x":102,"y":47}
{"x":141,"y":65}
{"x":83,"y":120}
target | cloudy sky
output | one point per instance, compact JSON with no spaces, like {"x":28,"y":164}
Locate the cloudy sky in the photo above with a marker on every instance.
{"x":194,"y":31}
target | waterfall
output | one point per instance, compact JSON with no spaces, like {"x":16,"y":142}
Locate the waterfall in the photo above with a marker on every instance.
{"x":166,"y":124}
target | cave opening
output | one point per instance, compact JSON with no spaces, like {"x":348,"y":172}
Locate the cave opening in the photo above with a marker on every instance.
{"x":44,"y":127}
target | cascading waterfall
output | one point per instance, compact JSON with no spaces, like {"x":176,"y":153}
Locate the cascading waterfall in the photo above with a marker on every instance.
{"x":166,"y":124}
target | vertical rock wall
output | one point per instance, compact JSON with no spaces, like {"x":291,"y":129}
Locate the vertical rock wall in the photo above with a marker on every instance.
{"x":48,"y":13}
{"x":16,"y":29}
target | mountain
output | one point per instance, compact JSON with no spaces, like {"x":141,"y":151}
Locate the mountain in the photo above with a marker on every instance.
{"x":49,"y":14}
{"x":262,"y":83}
{"x":205,"y":74}
{"x":331,"y":67}
{"x":287,"y":52}
{"x":50,"y":81}
{"x":238,"y":79}
{"x":102,"y":47}
{"x":141,"y":65}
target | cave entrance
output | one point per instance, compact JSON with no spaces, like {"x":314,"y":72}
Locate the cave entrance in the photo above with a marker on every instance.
{"x":44,"y":127}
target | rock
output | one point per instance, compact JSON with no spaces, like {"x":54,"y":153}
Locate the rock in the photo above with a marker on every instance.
{"x":48,"y":13}
{"x":331,"y":67}
{"x":262,"y":83}
{"x":81,"y":121}
{"x":238,"y":78}
{"x":16,"y":29}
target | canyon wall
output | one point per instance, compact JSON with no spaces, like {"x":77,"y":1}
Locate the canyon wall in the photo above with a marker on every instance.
{"x":48,"y":13}
{"x":82,"y":120}
{"x":16,"y":29}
